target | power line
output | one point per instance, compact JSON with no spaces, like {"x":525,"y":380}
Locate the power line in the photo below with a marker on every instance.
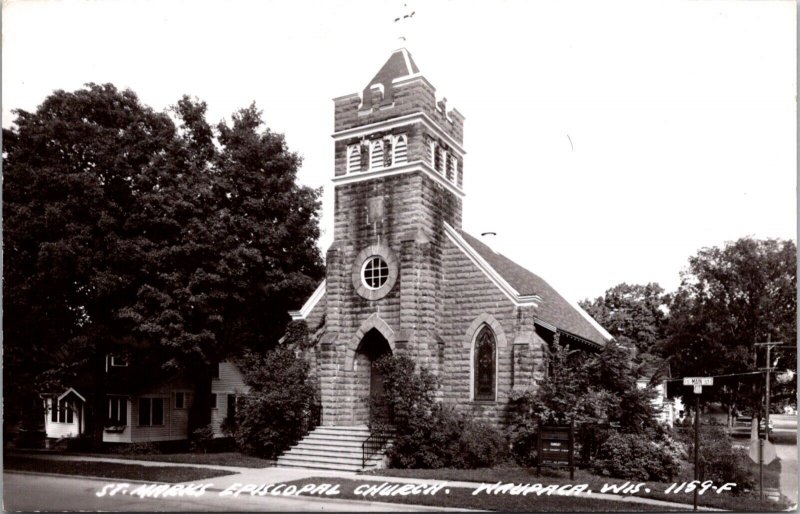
{"x":724,"y":376}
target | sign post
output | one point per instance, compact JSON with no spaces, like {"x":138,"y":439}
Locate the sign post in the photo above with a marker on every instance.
{"x":697,"y":384}
{"x":556,"y":447}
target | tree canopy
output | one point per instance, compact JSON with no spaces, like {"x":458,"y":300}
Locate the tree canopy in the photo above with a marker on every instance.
{"x":634,"y":314}
{"x":729,"y":299}
{"x":131,"y":230}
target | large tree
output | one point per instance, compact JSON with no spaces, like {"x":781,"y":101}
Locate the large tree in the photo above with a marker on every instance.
{"x":729,"y":299}
{"x":125,"y":232}
{"x":634,"y":314}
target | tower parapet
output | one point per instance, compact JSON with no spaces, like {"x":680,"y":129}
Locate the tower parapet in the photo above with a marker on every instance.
{"x":396,"y":122}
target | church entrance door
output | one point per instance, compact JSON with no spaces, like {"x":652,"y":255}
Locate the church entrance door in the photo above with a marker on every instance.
{"x":371,"y":406}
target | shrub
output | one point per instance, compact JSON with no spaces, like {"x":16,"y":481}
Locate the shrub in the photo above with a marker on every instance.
{"x":721,"y":461}
{"x":637,"y":457}
{"x":137,"y":449}
{"x":202,"y":439}
{"x":280,"y":407}
{"x":427,"y":433}
{"x":480,"y":445}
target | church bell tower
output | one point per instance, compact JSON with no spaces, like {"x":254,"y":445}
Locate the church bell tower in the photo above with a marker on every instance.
{"x":398,"y":179}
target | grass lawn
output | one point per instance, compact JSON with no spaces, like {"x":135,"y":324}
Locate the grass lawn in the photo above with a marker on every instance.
{"x":519,"y":475}
{"x":463,"y":498}
{"x":169,"y":474}
{"x":217,"y":459}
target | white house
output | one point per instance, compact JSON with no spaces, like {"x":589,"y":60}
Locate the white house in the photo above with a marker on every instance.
{"x":151,"y":413}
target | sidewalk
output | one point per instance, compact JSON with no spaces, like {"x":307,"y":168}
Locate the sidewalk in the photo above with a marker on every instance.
{"x":281,"y":475}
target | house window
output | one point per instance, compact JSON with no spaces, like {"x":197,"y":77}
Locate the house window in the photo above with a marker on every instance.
{"x":375,"y":272}
{"x":117,"y":411}
{"x":179,"y":400}
{"x":213,"y":400}
{"x":400,"y":150}
{"x":61,"y":411}
{"x":231,"y":412}
{"x":151,"y":411}
{"x":158,"y":411}
{"x":119,"y":362}
{"x":485,"y":369}
{"x":353,"y":158}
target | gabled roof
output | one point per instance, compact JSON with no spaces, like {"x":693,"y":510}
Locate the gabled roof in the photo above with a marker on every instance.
{"x":554,"y":309}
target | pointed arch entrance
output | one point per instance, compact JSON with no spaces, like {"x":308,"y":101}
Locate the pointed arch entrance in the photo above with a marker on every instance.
{"x":371,"y":406}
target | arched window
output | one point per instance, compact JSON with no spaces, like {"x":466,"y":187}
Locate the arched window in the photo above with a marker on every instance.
{"x":376,"y":155}
{"x":452,"y":166}
{"x":353,"y":158}
{"x":388,"y":152}
{"x":431,"y":154}
{"x":484,"y":365}
{"x":400,"y":149}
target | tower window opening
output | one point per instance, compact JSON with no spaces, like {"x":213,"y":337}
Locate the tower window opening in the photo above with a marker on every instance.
{"x":353,"y":158}
{"x":441,"y":159}
{"x":400,"y":150}
{"x":376,"y":157}
{"x":452,"y":165}
{"x":388,"y":152}
{"x":431,"y":151}
{"x":375,"y":272}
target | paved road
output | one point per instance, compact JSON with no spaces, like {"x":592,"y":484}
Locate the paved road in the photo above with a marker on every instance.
{"x":785,"y":437}
{"x":46,"y":493}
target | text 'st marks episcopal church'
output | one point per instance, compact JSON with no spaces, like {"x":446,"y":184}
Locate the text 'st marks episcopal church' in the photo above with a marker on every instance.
{"x":403,"y":277}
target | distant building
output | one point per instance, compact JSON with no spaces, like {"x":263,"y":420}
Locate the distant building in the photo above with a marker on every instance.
{"x":141,"y":405}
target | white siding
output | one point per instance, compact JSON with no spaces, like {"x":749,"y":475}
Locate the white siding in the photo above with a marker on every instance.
{"x":57,"y":430}
{"x":230,"y":381}
{"x":175,"y":426}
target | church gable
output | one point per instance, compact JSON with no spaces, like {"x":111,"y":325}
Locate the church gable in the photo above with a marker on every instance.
{"x":553,"y":308}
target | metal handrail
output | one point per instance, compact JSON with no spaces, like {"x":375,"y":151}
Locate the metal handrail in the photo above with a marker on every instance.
{"x":373,"y":444}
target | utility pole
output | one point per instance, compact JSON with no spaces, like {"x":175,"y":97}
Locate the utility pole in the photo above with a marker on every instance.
{"x":769,"y":345}
{"x":697,"y":383}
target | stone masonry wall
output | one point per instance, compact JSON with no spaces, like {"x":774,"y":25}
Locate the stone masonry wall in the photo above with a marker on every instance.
{"x":411,"y":96}
{"x":406,"y":214}
{"x":471,"y":299}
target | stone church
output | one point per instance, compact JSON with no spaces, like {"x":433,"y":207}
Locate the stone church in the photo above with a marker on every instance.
{"x":402,"y":275}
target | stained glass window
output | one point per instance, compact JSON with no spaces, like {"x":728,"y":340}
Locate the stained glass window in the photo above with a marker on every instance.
{"x":485,"y":365}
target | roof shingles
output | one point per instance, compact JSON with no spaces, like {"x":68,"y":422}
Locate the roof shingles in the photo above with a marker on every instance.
{"x":554,"y":309}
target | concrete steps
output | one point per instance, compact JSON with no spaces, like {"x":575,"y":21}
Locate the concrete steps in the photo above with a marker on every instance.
{"x":331,"y":448}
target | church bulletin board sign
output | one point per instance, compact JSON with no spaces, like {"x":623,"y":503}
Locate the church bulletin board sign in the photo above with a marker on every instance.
{"x":556,"y":447}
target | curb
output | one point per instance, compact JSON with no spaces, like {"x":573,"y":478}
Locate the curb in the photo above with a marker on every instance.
{"x":390,"y":506}
{"x":595,"y":495}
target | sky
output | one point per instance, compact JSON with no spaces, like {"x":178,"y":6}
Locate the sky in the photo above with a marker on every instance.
{"x":606,"y":142}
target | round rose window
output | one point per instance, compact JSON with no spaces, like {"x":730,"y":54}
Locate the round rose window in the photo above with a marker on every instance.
{"x":375,"y":272}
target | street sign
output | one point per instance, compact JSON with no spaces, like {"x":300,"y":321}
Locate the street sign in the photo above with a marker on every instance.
{"x":698,"y":389}
{"x":768,"y":450}
{"x":698,"y":381}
